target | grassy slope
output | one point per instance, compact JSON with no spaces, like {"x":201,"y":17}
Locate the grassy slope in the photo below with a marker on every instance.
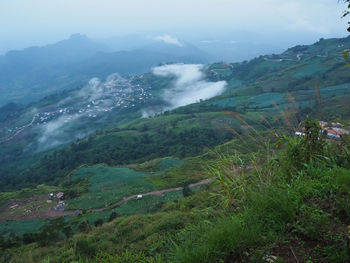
{"x":281,"y":208}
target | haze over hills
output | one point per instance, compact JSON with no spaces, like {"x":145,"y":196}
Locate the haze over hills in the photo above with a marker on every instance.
{"x":184,"y":131}
{"x":247,"y":87}
{"x":95,"y":160}
{"x":35,"y":72}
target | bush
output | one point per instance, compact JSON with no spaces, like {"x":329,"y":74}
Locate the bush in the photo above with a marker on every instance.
{"x":98,"y":222}
{"x":84,"y":248}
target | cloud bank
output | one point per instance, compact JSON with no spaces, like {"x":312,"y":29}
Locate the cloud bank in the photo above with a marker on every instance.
{"x":168,"y":40}
{"x":189,"y":85}
{"x":58,"y":132}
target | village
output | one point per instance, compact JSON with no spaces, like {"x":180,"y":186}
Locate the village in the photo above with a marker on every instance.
{"x":331,"y":130}
{"x":122,"y":95}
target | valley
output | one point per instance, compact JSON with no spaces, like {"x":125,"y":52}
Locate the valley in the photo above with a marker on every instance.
{"x":143,"y":169}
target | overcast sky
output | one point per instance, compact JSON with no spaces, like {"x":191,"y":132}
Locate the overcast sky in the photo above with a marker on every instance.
{"x":36,"y":22}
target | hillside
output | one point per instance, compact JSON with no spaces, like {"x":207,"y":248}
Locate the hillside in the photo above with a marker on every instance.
{"x":101,"y":174}
{"x":33,"y":73}
{"x":282,"y":203}
{"x":303,"y":80}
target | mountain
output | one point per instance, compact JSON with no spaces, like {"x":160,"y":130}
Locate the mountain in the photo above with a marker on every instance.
{"x":36,"y":72}
{"x":139,"y":60}
{"x":187,"y":163}
{"x":310,"y":79}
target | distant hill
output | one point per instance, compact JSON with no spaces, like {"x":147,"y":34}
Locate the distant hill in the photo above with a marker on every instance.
{"x":32,"y":73}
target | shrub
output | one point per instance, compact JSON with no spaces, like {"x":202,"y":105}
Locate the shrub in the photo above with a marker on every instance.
{"x":84,"y":248}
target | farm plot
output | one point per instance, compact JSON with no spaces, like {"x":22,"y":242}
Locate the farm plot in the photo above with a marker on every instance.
{"x":338,"y":90}
{"x":227,"y":102}
{"x":266,"y":100}
{"x":311,"y":69}
{"x":147,"y":204}
{"x":21,"y":227}
{"x":168,"y":163}
{"x":108,"y":185}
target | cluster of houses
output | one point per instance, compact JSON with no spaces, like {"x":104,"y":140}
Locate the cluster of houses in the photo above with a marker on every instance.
{"x":60,"y":197}
{"x":332,"y":130}
{"x":121,"y":93}
{"x":124,"y":94}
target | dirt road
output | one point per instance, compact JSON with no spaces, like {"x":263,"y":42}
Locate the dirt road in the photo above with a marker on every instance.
{"x":157,"y":193}
{"x":51,"y":212}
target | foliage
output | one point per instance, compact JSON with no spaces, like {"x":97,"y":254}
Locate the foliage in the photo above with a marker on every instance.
{"x":126,"y":257}
{"x":347,"y":12}
{"x":260,"y":202}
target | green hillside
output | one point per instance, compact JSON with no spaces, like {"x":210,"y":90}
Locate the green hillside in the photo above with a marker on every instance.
{"x":264,"y":86}
{"x":283,"y":201}
{"x":221,"y":180}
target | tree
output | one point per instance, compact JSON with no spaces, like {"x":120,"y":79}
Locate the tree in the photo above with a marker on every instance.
{"x":346,"y":13}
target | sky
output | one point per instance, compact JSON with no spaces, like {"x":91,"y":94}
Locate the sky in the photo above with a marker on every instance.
{"x":37,"y":22}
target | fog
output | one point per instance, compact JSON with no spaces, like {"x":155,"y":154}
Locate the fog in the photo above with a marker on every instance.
{"x":58,"y":132}
{"x":39,"y":22}
{"x":189,"y":86}
{"x":65,"y":129}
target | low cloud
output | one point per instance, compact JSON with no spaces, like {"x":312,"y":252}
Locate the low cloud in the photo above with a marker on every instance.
{"x":57,"y":132}
{"x":65,"y":127}
{"x":168,"y":40}
{"x":189,"y":85}
{"x":74,"y":117}
{"x":97,"y":89}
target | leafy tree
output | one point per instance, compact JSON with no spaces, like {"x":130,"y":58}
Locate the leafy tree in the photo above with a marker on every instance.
{"x":186,"y":191}
{"x":98,"y":222}
{"x":84,"y":248}
{"x":112,"y":216}
{"x":346,"y":13}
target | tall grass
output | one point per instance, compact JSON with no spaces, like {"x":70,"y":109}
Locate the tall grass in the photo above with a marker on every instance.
{"x":263,"y":196}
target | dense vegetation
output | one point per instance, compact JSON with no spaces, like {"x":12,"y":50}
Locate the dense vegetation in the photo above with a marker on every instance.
{"x":291,"y":203}
{"x":273,"y":197}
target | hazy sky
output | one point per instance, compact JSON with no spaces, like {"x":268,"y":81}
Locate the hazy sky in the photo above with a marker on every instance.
{"x":32,"y":22}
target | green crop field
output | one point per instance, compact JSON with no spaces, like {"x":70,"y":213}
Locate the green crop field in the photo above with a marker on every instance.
{"x":311,"y":69}
{"x":108,"y":185}
{"x":168,"y":163}
{"x":227,"y":102}
{"x":21,"y":227}
{"x":266,"y":100}
{"x":147,"y":204}
{"x":336,"y":90}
